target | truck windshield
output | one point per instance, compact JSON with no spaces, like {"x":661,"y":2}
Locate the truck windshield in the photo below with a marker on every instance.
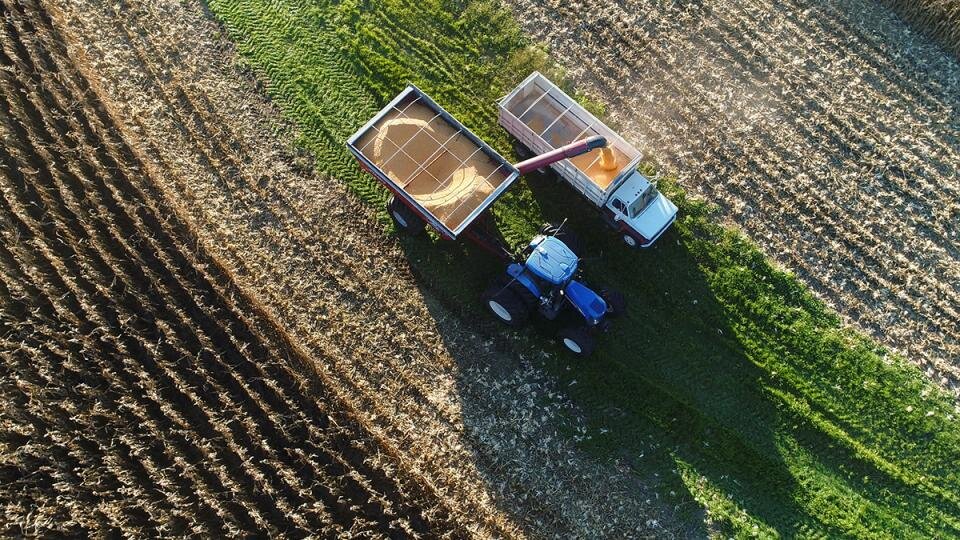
{"x":644,"y":200}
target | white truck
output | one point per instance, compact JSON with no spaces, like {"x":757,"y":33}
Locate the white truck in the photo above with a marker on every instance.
{"x":543,"y":118}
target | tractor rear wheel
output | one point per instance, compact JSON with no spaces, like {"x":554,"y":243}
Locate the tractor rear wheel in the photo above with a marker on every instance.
{"x":616,"y":302}
{"x":577,"y":340}
{"x":405,"y":218}
{"x":507,"y":306}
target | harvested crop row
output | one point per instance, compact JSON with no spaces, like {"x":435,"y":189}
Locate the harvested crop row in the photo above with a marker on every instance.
{"x":137,"y":361}
{"x":343,"y":290}
{"x":824,"y":130}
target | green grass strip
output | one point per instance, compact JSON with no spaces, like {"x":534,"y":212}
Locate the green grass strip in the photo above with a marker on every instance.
{"x":727,"y":379}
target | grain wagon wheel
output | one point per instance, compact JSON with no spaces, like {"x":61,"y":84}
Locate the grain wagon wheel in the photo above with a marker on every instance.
{"x":405,"y":218}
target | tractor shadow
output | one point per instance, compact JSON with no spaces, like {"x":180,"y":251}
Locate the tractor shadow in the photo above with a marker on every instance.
{"x":669,"y":393}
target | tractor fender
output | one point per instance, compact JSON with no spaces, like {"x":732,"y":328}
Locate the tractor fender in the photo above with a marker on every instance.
{"x":587,"y":302}
{"x":518,"y":272}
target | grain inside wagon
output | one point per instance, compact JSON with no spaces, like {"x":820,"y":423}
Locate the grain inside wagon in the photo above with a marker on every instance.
{"x":559,"y":123}
{"x":433,"y":160}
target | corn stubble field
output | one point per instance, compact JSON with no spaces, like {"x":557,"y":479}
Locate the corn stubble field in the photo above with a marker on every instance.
{"x":208,"y":330}
{"x":827,"y":131}
{"x":143,"y":392}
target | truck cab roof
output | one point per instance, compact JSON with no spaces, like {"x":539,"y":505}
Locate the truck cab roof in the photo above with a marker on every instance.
{"x":551,"y":260}
{"x":647,"y":210}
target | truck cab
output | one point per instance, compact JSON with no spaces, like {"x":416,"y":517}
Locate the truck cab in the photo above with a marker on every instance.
{"x":639,"y":211}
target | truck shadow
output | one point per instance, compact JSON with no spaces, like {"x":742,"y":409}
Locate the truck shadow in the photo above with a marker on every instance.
{"x":672,"y":393}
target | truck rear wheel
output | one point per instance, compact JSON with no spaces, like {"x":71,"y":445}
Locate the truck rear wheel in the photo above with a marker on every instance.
{"x":577,"y":340}
{"x":405,"y":218}
{"x":507,"y":306}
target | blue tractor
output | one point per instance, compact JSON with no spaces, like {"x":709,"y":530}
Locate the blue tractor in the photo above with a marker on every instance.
{"x":545,"y":278}
{"x":450,"y":185}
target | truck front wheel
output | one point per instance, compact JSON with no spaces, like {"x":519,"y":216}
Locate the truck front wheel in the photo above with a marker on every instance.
{"x":507,"y":306}
{"x":577,"y":340}
{"x":405,"y":218}
{"x":629,"y":240}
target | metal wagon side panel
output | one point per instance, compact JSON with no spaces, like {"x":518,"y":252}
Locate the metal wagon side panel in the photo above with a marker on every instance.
{"x":503,"y":168}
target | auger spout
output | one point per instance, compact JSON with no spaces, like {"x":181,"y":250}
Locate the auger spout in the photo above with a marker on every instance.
{"x":564,"y":152}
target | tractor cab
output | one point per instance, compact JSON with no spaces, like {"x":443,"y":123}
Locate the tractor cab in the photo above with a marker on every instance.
{"x":544,"y":280}
{"x":551,"y":260}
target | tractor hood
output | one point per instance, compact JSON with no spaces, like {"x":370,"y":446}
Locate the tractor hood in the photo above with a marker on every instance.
{"x":551,"y":260}
{"x":587,"y":302}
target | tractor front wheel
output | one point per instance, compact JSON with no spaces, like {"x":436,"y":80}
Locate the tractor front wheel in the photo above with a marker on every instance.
{"x":507,"y":306}
{"x":577,"y":340}
{"x":616,"y":302}
{"x":405,"y":218}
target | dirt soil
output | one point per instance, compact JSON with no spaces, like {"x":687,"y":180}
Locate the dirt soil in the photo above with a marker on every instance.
{"x":209,"y":338}
{"x":828,"y":131}
{"x":144,"y":393}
